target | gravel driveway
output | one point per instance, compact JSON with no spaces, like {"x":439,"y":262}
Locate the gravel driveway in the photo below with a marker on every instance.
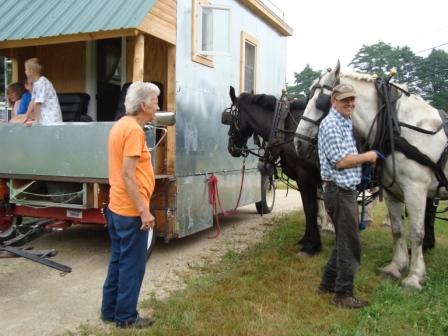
{"x":37,"y":300}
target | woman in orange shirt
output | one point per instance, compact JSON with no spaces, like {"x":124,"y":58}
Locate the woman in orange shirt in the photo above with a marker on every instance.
{"x":131,"y":179}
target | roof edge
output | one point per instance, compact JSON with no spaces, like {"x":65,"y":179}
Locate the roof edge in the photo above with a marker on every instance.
{"x":6,"y":44}
{"x":269,"y":16}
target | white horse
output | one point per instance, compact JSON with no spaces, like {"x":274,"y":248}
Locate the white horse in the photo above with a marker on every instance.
{"x":412,"y":182}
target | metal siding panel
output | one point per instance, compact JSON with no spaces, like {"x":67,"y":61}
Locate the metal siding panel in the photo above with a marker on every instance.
{"x":203,"y":92}
{"x":65,"y":150}
{"x":28,"y":19}
{"x":193,"y":210}
{"x":75,"y":150}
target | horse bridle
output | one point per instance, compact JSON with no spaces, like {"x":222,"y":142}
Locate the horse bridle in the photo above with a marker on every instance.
{"x":323,"y":103}
{"x":231,"y":117}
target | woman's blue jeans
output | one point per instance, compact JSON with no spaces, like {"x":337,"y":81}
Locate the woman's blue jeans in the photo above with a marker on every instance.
{"x":126,"y":268}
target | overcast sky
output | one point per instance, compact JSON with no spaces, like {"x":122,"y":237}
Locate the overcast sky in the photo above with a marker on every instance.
{"x":327,"y":30}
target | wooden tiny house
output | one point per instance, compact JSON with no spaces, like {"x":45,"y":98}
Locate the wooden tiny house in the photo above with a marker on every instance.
{"x":193,"y":49}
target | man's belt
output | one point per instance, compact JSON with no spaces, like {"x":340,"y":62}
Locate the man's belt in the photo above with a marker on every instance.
{"x":327,"y":185}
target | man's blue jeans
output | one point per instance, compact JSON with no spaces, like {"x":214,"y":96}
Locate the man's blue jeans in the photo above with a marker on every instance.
{"x":126,"y":268}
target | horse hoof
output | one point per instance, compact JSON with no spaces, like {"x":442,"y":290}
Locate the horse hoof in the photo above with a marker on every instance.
{"x":390,"y":271}
{"x":310,"y":249}
{"x":412,"y":282}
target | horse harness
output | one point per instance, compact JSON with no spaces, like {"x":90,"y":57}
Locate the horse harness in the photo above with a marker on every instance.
{"x":323,"y":103}
{"x":277,"y":135}
{"x":388,"y":138}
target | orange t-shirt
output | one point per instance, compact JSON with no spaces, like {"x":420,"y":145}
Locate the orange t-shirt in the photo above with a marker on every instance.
{"x":126,"y":138}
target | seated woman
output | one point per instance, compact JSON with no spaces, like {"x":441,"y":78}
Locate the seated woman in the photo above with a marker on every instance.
{"x":24,"y":105}
{"x":14,"y":92}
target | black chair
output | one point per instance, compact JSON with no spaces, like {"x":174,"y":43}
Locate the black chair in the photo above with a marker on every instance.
{"x":74,"y":106}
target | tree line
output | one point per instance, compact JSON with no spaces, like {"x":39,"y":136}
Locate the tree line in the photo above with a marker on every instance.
{"x":425,"y":76}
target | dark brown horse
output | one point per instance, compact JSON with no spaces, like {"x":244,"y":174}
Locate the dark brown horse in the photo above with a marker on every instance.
{"x":253,"y":114}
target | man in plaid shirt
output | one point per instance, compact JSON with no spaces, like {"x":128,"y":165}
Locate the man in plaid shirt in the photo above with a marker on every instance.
{"x":341,"y":172}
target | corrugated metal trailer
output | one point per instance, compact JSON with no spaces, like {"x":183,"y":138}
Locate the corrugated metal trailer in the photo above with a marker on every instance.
{"x":193,"y":50}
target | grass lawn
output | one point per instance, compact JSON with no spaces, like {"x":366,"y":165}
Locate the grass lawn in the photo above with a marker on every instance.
{"x":269,"y":290}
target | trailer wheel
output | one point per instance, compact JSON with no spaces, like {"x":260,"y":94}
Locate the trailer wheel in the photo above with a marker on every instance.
{"x":152,"y":237}
{"x":268,"y":187}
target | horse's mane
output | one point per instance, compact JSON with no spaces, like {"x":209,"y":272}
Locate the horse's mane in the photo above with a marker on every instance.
{"x":367,"y":78}
{"x":357,"y":76}
{"x":268,"y":101}
{"x":262,"y":100}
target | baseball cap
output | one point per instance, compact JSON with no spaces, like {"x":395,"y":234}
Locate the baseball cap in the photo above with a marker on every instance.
{"x":343,"y":91}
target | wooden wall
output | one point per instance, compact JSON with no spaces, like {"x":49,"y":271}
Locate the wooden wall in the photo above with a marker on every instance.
{"x":155,"y":62}
{"x":159,"y":66}
{"x":161,"y":21}
{"x":64,"y":64}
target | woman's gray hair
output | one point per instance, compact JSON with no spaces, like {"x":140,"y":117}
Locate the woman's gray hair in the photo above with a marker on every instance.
{"x":139,"y":92}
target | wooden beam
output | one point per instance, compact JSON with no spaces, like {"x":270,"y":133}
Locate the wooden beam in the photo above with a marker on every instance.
{"x":15,"y":65}
{"x":257,"y":7}
{"x":130,"y":42}
{"x":171,"y":107}
{"x":171,"y":79}
{"x":68,"y":38}
{"x":139,"y":58}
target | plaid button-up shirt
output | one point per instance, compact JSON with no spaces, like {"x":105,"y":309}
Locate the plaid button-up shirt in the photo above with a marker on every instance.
{"x":336,"y":141}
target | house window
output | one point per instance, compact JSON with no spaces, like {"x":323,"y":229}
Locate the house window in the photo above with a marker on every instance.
{"x":206,"y":31}
{"x":249,"y":59}
{"x":210,"y":31}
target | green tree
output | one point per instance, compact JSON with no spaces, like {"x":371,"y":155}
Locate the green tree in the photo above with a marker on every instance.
{"x":379,"y":58}
{"x":373,"y":59}
{"x":433,"y":71}
{"x":303,"y":81}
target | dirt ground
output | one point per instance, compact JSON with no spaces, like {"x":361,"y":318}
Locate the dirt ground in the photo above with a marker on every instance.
{"x":37,"y":300}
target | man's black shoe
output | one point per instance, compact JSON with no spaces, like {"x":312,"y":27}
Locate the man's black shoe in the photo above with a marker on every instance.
{"x":348,"y":301}
{"x":139,"y":323}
